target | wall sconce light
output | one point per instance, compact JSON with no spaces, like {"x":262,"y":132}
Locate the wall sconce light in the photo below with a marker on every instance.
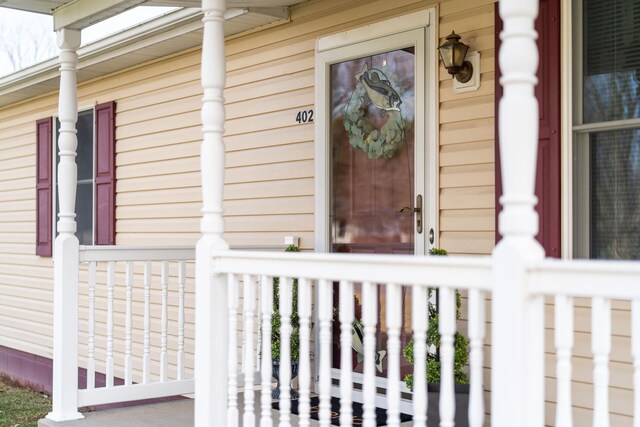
{"x":453,"y":53}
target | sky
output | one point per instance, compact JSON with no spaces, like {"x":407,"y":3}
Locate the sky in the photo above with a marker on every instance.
{"x":28,"y":38}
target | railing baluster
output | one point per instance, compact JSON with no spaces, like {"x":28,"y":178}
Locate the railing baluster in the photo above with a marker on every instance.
{"x":147,"y":323}
{"x":248,"y":419}
{"x":91,"y":344}
{"x":564,"y":343}
{"x":110,"y":285}
{"x":285,"y":351}
{"x":164,"y":280}
{"x":325,"y":317}
{"x":601,"y":347}
{"x":232,"y":410}
{"x":447,"y":328}
{"x":267,"y":311}
{"x":635,"y":351}
{"x":119,"y":272}
{"x":420,"y":317}
{"x":346,"y":331}
{"x":127,"y":344}
{"x":394,"y":322}
{"x":476,"y":338}
{"x":256,"y":283}
{"x":304,"y":374}
{"x":181,"y":286}
{"x":370,"y":320}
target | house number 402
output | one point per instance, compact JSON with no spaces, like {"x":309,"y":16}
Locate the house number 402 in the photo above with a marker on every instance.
{"x":304,"y":116}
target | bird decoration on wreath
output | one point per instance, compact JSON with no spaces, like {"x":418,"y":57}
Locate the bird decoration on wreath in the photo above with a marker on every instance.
{"x":372,"y":118}
{"x":380,"y":92}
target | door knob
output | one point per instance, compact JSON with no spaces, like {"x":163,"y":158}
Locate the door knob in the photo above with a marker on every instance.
{"x":417,"y":211}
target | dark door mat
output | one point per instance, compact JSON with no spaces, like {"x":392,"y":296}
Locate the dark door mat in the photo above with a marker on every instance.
{"x":381,"y":414}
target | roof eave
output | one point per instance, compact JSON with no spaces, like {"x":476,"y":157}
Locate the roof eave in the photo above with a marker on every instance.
{"x":171,"y":33}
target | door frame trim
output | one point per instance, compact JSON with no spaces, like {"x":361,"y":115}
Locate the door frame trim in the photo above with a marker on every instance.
{"x":342,"y":47}
{"x":352,"y":44}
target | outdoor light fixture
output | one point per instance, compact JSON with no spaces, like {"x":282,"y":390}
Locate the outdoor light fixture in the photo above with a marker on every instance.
{"x":453,"y":53}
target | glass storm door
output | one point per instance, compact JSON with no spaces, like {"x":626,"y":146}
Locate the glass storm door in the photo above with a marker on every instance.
{"x":374,"y":192}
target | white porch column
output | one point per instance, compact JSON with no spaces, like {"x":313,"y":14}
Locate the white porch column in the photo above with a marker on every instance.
{"x":211,"y":344}
{"x":65,"y":271}
{"x":518,"y":319}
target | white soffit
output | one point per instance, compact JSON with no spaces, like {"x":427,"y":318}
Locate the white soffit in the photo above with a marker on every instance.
{"x":79,"y":14}
{"x":37,"y":6}
{"x":230,"y":3}
{"x":171,"y":33}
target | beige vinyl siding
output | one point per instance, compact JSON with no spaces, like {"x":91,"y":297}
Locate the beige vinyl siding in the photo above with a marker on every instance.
{"x":466,"y":139}
{"x":26,"y":311}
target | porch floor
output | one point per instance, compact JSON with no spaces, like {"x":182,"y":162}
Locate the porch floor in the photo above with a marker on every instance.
{"x":177,"y":413}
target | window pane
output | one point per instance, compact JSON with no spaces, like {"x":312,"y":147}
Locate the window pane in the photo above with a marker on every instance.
{"x":84,"y":161}
{"x":615,"y":194}
{"x":611,"y":49}
{"x":84,"y":212}
{"x":84,"y":158}
{"x":85,"y":145}
{"x":372,"y":153}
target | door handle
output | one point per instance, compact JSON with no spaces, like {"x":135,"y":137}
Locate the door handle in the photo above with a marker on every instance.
{"x":417,"y":211}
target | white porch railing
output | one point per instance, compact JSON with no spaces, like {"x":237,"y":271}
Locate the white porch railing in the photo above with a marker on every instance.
{"x":124,"y":285}
{"x":321,"y":271}
{"x":600,"y":282}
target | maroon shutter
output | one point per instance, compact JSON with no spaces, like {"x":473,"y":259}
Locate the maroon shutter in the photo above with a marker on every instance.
{"x":105,"y":174}
{"x":44,"y":191}
{"x":548,"y":95}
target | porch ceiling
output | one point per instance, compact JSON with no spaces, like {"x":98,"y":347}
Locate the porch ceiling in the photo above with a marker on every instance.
{"x":80,"y":14}
{"x":171,"y":33}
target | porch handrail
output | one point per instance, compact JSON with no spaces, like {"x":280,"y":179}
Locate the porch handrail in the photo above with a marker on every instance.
{"x":136,"y":253}
{"x":585,"y":278}
{"x":154,"y":253}
{"x":473,"y":272}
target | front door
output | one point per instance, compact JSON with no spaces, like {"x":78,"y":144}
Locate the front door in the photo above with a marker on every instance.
{"x":378,"y":156}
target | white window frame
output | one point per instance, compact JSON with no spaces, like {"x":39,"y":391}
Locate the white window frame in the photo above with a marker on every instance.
{"x":54,"y":185}
{"x":576,"y":132}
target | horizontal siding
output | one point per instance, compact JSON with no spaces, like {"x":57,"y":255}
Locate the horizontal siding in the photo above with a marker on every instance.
{"x":466,"y":145}
{"x":26,"y":281}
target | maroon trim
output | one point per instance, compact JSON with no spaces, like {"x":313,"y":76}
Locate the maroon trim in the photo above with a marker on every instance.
{"x":548,"y":94}
{"x":26,"y":369}
{"x":105,"y":174}
{"x":44,"y":219}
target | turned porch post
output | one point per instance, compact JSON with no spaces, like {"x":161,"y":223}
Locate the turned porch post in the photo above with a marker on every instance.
{"x":211,"y":346}
{"x":65,"y":268}
{"x":517,"y":380}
